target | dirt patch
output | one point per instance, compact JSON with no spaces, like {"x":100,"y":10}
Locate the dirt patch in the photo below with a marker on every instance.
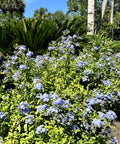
{"x":116,"y":131}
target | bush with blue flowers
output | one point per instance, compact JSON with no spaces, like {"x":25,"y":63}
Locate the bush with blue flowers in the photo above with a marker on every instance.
{"x":60,"y":97}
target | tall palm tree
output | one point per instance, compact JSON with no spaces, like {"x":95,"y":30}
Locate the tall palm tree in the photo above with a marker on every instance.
{"x":112,"y":11}
{"x":111,"y":18}
{"x":104,"y":4}
{"x":91,"y":12}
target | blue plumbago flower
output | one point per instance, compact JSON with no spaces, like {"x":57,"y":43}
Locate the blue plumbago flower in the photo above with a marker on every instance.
{"x":6,"y":64}
{"x":71,"y":116}
{"x":38,"y":57}
{"x":68,"y":118}
{"x":85,"y":78}
{"x":59,"y":102}
{"x":87,"y":126}
{"x":107,"y":82}
{"x":107,"y":131}
{"x":93,"y":101}
{"x":29,"y":54}
{"x":88,"y":110}
{"x":117,"y":55}
{"x":22,"y":86}
{"x":46,"y":57}
{"x":22,"y":66}
{"x":62,"y":58}
{"x":102,"y":115}
{"x":54,"y":95}
{"x":63,"y":38}
{"x":74,"y":36}
{"x":100,"y":65}
{"x":65,"y":121}
{"x":41,"y":130}
{"x":100,"y":95}
{"x":31,"y":59}
{"x":66,"y":103}
{"x":118,"y":72}
{"x":87,"y":72}
{"x":97,"y":48}
{"x":16,"y":75}
{"x":41,"y":108}
{"x":61,"y":49}
{"x":37,"y":84}
{"x":112,"y":69}
{"x":83,"y":56}
{"x":118,"y":94}
{"x":72,"y":51}
{"x":77,"y":44}
{"x":76,"y":58}
{"x":81,"y":64}
{"x":52,"y":48}
{"x":13,"y":57}
{"x":2,"y":115}
{"x":81,"y":125}
{"x":110,"y":115}
{"x":24,"y":108}
{"x":53,"y":42}
{"x":81,"y":38}
{"x":51,"y":60}
{"x":22,"y":48}
{"x":19,"y":52}
{"x":72,"y":47}
{"x":98,"y":123}
{"x":39,"y":63}
{"x":95,"y":90}
{"x":107,"y":58}
{"x":114,"y":141}
{"x":109,"y":96}
{"x":59,"y":117}
{"x":5,"y":78}
{"x":29,"y":119}
{"x":36,"y":80}
{"x":45,"y":97}
{"x":74,"y":127}
{"x":87,"y":116}
{"x":52,"y":110}
{"x":70,"y":37}
{"x":23,"y":105}
{"x":38,"y":95}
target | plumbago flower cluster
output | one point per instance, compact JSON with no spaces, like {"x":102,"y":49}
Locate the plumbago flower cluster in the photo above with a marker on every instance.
{"x":59,"y":97}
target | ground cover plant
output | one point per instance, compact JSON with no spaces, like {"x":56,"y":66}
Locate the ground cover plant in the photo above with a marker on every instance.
{"x":60,"y":97}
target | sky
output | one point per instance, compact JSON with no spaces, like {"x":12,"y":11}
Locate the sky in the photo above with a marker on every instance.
{"x":51,"y":5}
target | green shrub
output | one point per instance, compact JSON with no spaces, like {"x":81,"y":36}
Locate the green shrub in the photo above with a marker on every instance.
{"x":59,"y":97}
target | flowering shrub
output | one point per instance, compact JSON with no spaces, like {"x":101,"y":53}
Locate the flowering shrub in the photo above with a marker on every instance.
{"x":59,"y":97}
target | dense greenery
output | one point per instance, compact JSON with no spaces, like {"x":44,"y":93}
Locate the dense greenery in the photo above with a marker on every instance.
{"x":58,"y":85}
{"x":35,"y":34}
{"x":13,"y":7}
{"x":60,"y":97}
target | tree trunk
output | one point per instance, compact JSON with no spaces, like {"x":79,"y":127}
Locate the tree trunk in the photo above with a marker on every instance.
{"x":104,"y":4}
{"x":111,"y":18}
{"x":112,"y":11}
{"x":91,"y":12}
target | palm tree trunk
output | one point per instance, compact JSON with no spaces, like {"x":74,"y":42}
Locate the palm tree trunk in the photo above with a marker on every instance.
{"x":91,"y":12}
{"x":104,"y":4}
{"x":111,"y":18}
{"x":112,"y":11}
